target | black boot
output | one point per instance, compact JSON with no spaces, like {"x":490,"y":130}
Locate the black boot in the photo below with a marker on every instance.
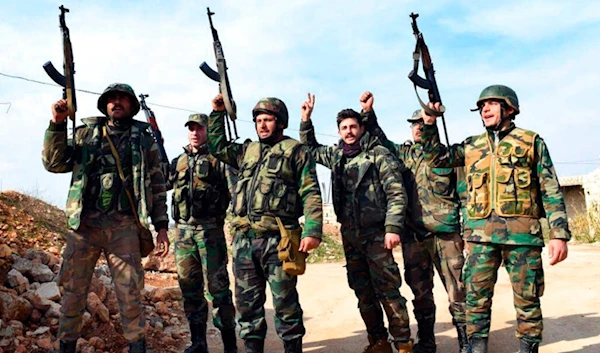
{"x":229,"y":341}
{"x":254,"y":345}
{"x":463,"y":340}
{"x":68,"y":347}
{"x":425,"y":334}
{"x":528,"y":346}
{"x":198,"y":332}
{"x":293,"y":346}
{"x":137,"y":346}
{"x":479,"y":344}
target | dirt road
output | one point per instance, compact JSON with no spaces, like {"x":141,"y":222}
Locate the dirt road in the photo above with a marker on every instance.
{"x":571,"y":307}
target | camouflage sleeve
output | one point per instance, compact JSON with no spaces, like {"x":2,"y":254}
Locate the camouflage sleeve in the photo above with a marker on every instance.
{"x":170,"y":179}
{"x":57,"y":155}
{"x":230,"y":153}
{"x":393,"y":186}
{"x":158,"y":214}
{"x":231,"y":177}
{"x":369,"y":120}
{"x":310,"y":193}
{"x":461,"y":190}
{"x":321,"y":154}
{"x":551,"y":193}
{"x":438,"y":155}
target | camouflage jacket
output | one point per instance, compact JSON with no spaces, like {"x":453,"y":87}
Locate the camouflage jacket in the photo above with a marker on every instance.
{"x":517,"y":230}
{"x":200,"y":187}
{"x":278,"y":181}
{"x":368,"y":191}
{"x":433,"y":205}
{"x":59,"y":156}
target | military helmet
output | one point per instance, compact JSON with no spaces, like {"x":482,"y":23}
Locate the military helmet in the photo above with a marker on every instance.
{"x":122,"y":88}
{"x":416,"y":116}
{"x":271,"y":105}
{"x":500,"y":92}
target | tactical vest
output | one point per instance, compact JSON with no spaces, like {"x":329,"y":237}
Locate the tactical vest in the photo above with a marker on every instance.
{"x":502,"y":179}
{"x":268,"y":187}
{"x":196,"y":191}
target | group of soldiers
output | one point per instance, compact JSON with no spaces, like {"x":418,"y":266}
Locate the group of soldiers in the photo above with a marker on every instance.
{"x":384,"y":195}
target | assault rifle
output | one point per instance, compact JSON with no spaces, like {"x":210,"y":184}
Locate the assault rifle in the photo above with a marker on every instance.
{"x":222,"y":78}
{"x":428,"y":83}
{"x":67,"y":81}
{"x":151,"y":118}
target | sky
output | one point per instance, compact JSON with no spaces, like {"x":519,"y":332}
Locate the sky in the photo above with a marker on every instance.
{"x":336,"y":49}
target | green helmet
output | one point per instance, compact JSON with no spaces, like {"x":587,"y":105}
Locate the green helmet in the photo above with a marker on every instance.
{"x":500,"y":92}
{"x":273,"y":106}
{"x":118,"y":87}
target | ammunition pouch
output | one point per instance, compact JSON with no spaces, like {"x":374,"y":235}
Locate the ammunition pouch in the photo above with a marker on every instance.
{"x":294,"y":261}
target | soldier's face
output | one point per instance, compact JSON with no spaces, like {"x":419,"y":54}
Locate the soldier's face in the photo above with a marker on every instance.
{"x":266,"y":125}
{"x":416,"y":129}
{"x":350,"y":131}
{"x":118,"y":106}
{"x":491,"y":113}
{"x":196,"y":134}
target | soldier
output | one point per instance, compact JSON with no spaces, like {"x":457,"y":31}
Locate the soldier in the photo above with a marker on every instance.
{"x":102,"y":208}
{"x":511,"y":183}
{"x":200,"y":201}
{"x":369,"y":201}
{"x":277,"y":179}
{"x":433,"y":231}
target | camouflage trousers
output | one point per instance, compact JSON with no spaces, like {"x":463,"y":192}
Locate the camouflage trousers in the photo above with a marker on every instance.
{"x":255,"y":263}
{"x":374,"y":276}
{"x":444,"y":251}
{"x":117,"y":236}
{"x":524,"y":267}
{"x":201,"y":257}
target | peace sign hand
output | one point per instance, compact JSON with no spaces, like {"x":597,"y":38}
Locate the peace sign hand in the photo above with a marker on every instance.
{"x":307,"y":107}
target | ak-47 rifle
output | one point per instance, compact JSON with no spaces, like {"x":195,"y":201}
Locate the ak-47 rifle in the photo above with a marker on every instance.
{"x":67,"y":81}
{"x":428,"y":83}
{"x":222,"y":78}
{"x":151,"y":118}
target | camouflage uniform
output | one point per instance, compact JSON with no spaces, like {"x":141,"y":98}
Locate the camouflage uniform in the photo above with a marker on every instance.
{"x":369,"y":200}
{"x":275,"y":180}
{"x":99,"y":212}
{"x":511,"y":183}
{"x":434,"y":237}
{"x":200,"y":200}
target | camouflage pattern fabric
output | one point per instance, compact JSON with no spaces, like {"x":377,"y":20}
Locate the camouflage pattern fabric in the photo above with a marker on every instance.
{"x":279,"y":181}
{"x":369,"y":201}
{"x":201,"y":257}
{"x":147,"y":179}
{"x":255,"y":263}
{"x":116,"y":236}
{"x":368,"y":188}
{"x":524,"y":267}
{"x":508,"y":230}
{"x":374,"y":276}
{"x":418,"y":270}
{"x":449,"y":261}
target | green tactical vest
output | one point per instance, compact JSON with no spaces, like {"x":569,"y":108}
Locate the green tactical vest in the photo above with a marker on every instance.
{"x":267,"y":186}
{"x":504,"y":179}
{"x":196,"y":193}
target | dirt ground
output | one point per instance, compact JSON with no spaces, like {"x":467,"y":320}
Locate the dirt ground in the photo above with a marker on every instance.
{"x":571,"y":308}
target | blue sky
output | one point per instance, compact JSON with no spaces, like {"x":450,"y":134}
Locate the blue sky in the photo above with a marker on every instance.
{"x":336,"y":49}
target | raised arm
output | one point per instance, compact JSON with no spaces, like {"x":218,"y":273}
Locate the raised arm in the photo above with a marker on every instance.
{"x":57,"y":155}
{"x":438,"y":155}
{"x":321,"y":154}
{"x":229,"y":152}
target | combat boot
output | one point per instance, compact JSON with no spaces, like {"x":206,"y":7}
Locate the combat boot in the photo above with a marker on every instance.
{"x":138,"y":346}
{"x":68,"y":347}
{"x":479,"y":344}
{"x":198,"y":332}
{"x":254,"y":345}
{"x":405,"y":347}
{"x":229,"y":341}
{"x":381,"y":345}
{"x":528,"y":346}
{"x":463,"y":340}
{"x":425,"y":333}
{"x":293,"y":346}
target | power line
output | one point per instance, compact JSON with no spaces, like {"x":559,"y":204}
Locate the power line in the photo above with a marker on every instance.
{"x":150,"y":103}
